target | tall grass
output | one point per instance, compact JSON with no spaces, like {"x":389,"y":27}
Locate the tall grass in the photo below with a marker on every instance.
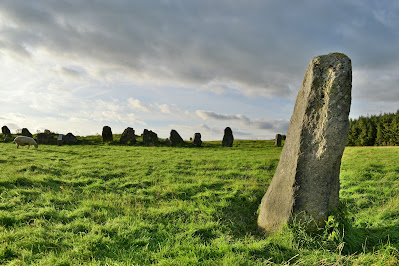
{"x":123,"y":205}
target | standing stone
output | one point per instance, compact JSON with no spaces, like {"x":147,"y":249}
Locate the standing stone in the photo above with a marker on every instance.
{"x":128,"y":136}
{"x":175,"y":138}
{"x":278,"y":140}
{"x":306,"y":182}
{"x":6,"y":133}
{"x":149,"y":137}
{"x":46,"y":138}
{"x":59,"y":140}
{"x":69,"y":139}
{"x":107,"y":134}
{"x":25,"y":132}
{"x":228,"y":138}
{"x":197,"y":140}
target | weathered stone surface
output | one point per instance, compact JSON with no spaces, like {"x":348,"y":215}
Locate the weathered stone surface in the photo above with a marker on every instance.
{"x":25,"y":132}
{"x":107,"y":134}
{"x":45,"y":138}
{"x":306,"y":182}
{"x":228,"y":138}
{"x":6,"y":133}
{"x":197,"y":140}
{"x":69,"y":139}
{"x":149,"y":137}
{"x":175,"y":138}
{"x":128,"y":136}
{"x":278,"y":140}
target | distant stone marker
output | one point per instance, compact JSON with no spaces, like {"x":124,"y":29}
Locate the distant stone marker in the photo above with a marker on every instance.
{"x":128,"y":136}
{"x":107,"y":134}
{"x":278,"y":140}
{"x":59,"y":140}
{"x":306,"y":182}
{"x":149,"y":137}
{"x":197,"y":140}
{"x":46,"y":138}
{"x":228,"y":138}
{"x":69,"y":139}
{"x":6,"y":133}
{"x":26,"y":133}
{"x":175,"y":138}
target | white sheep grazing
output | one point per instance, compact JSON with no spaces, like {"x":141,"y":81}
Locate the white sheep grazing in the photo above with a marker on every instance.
{"x":22,"y":141}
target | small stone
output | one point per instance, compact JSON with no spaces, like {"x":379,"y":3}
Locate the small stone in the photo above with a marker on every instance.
{"x":175,"y":138}
{"x":228,"y":138}
{"x":197,"y":140}
{"x":107,"y":134}
{"x":128,"y":136}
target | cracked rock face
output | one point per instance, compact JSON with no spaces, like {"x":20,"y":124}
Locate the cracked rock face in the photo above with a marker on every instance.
{"x":306,"y":182}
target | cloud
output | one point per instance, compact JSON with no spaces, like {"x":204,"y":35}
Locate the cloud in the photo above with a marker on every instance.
{"x":138,"y":105}
{"x":256,"y":48}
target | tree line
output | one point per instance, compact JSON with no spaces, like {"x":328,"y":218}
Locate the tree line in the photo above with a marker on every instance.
{"x":375,"y":130}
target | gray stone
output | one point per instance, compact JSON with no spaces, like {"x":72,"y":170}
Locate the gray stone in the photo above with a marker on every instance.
{"x":278,"y":140}
{"x":197,"y":140}
{"x":59,"y":140}
{"x":306,"y":182}
{"x":228,"y":138}
{"x":128,"y":136}
{"x":149,"y":137}
{"x":107,"y":134}
{"x":175,"y":138}
{"x":25,"y":132}
{"x":69,"y":139}
{"x":46,"y":138}
{"x":6,"y":133}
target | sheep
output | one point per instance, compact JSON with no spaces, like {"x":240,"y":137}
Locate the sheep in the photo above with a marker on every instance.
{"x":22,"y":141}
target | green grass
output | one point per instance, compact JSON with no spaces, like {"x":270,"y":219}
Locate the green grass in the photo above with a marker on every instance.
{"x":133,"y":205}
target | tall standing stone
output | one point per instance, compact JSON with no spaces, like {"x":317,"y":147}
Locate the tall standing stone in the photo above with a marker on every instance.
{"x":197,"y":140}
{"x":278,"y":140}
{"x":175,"y":138}
{"x":107,"y":134}
{"x":128,"y":136}
{"x":306,"y":182}
{"x":25,"y":132}
{"x":6,"y":133}
{"x":228,"y":138}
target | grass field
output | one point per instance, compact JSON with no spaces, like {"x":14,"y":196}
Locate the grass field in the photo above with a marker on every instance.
{"x":127,"y":205}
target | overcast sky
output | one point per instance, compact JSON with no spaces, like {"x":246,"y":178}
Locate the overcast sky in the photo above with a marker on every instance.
{"x":194,"y":66}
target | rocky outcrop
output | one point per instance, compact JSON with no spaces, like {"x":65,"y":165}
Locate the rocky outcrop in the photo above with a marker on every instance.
{"x":306,"y":182}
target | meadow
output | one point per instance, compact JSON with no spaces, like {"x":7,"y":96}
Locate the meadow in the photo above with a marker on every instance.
{"x":107,"y":204}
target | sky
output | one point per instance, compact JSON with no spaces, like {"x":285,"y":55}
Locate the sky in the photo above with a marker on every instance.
{"x":193,"y":66}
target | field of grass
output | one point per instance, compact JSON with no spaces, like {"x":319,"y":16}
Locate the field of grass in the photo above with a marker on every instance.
{"x":132,"y":205}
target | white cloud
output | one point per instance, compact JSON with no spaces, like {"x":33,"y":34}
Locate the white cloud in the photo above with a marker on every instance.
{"x":138,"y":105}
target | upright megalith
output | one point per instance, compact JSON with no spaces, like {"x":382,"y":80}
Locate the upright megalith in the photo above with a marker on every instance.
{"x":6,"y":133}
{"x":128,"y":136}
{"x":69,"y":139}
{"x":107,"y":134}
{"x":175,"y":138}
{"x":25,"y":132}
{"x":278,"y":140}
{"x":197,"y":140}
{"x":149,"y":137}
{"x":228,"y":138}
{"x":306,"y":182}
